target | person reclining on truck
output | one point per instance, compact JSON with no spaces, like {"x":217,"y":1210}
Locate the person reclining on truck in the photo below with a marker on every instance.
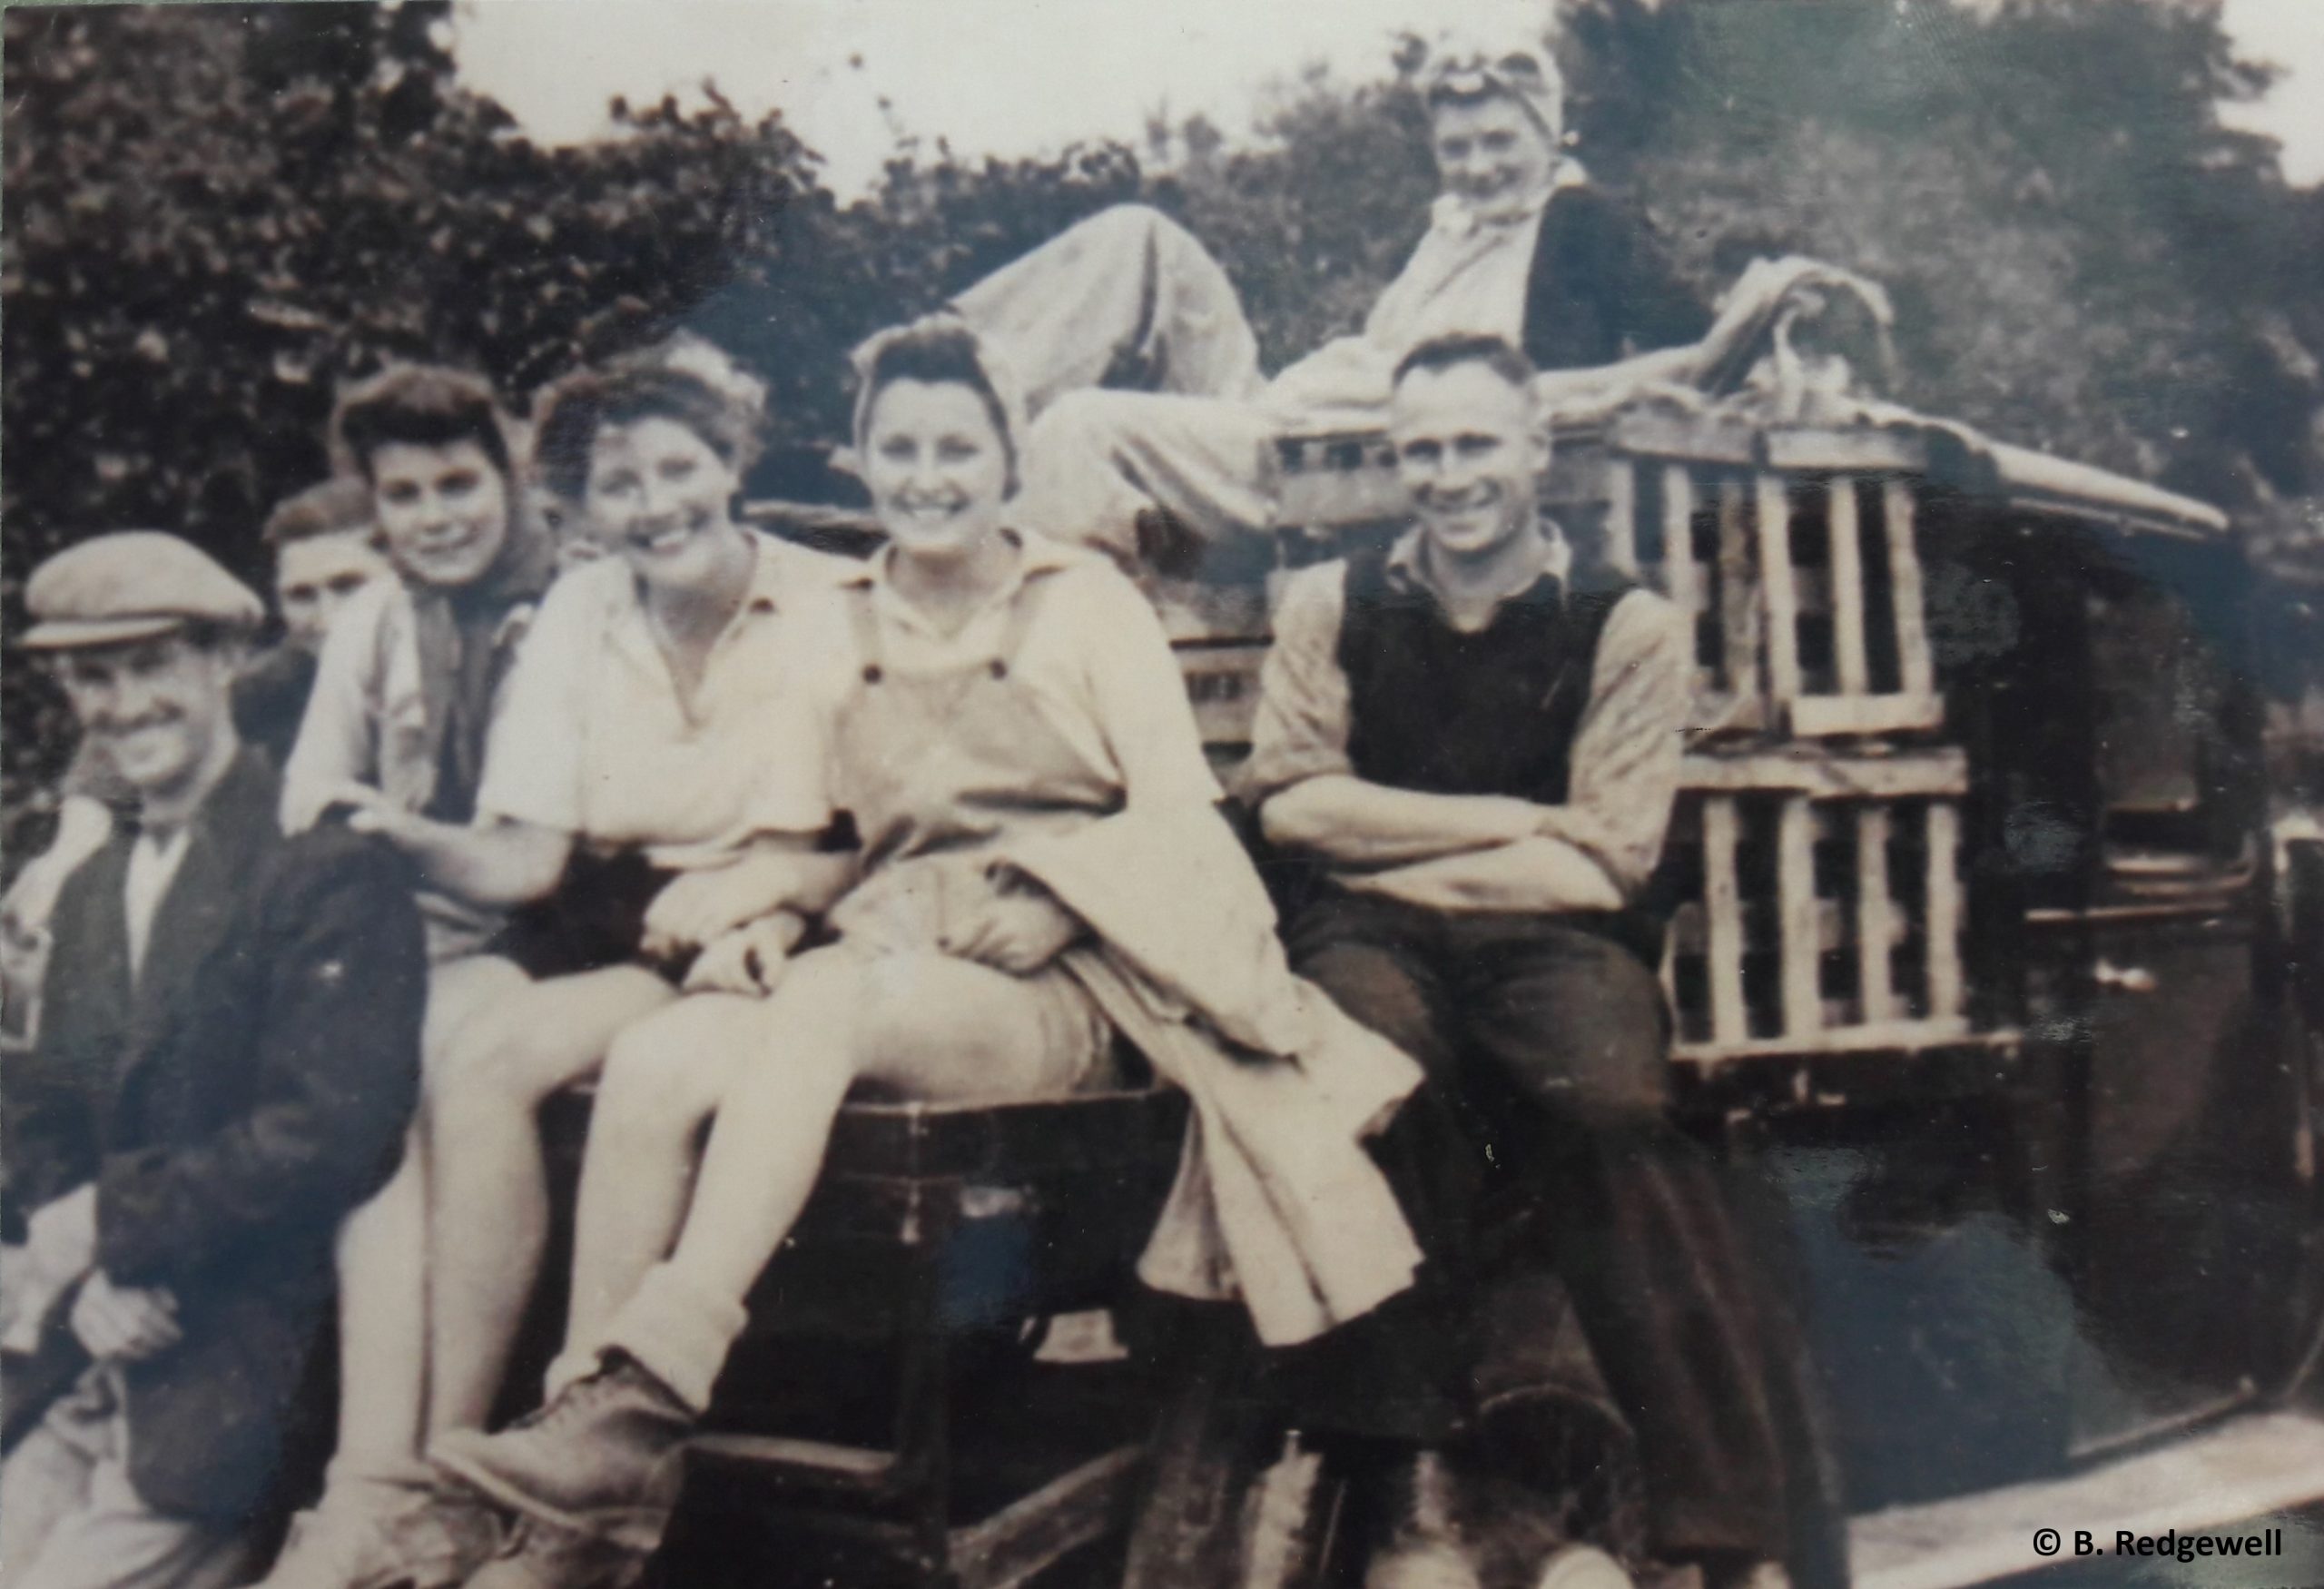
{"x":1008,"y":733}
{"x":640,"y":730}
{"x":1520,"y":242}
{"x":1480,"y":743}
{"x":229,"y":1062}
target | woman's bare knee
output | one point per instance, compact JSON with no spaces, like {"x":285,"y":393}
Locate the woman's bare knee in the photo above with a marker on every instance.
{"x":546,"y":1037}
{"x":502,"y":1061}
{"x":663,"y":1075}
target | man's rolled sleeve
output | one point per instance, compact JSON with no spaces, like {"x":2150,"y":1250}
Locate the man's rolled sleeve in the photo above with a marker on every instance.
{"x":1301,"y":731}
{"x":338,"y":735}
{"x":1627,"y":750}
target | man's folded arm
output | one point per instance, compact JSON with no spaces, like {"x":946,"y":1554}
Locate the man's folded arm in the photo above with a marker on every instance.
{"x":1536,"y":874}
{"x":1300,"y":776}
{"x":1343,"y":818}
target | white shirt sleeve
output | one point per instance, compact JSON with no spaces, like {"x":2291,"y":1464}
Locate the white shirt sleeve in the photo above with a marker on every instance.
{"x":1301,"y":729}
{"x":1139,"y":693}
{"x":534,"y":755}
{"x":338,"y":739}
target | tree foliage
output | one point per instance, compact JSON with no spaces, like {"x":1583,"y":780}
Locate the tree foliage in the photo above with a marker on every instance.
{"x":214,"y":214}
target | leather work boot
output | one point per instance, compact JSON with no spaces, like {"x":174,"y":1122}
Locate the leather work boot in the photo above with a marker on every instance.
{"x":607,"y":1445}
{"x":387,"y":1536}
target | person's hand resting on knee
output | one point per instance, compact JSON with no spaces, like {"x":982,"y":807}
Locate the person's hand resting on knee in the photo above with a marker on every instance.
{"x":695,"y":909}
{"x":748,"y":959}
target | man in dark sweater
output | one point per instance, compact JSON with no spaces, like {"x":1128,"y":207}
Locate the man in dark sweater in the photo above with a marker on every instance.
{"x":1480,"y":744}
{"x":227,"y":1060}
{"x":1143,"y":373}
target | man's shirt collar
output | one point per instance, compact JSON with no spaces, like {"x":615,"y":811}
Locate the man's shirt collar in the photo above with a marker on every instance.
{"x":1409,"y":570}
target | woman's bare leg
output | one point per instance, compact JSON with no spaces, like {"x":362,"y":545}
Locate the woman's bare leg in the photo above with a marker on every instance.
{"x":932,"y":1025}
{"x":488,"y":1183}
{"x":661,"y":1083}
{"x":940,"y":1027}
{"x":382,"y":1257}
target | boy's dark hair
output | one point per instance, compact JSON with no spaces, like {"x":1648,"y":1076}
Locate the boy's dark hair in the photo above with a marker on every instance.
{"x":337,"y":506}
{"x":420,"y":405}
{"x":1498,"y":355}
{"x":937,"y":353}
{"x":576,"y":407}
{"x":208,"y":634}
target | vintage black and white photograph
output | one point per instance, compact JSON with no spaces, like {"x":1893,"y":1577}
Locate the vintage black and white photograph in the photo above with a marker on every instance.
{"x":1239,"y":794}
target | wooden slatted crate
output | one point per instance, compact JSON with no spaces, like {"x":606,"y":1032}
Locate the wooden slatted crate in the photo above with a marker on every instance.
{"x":1795,"y":554}
{"x":1818,"y":905}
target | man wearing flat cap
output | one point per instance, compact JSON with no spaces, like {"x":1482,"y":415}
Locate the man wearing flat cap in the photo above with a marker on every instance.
{"x":226,"y":1064}
{"x":1519,"y":245}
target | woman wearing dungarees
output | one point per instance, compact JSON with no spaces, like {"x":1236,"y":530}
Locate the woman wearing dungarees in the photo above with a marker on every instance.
{"x":983,"y":687}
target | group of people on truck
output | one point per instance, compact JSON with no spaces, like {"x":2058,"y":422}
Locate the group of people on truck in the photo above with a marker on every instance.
{"x":727,"y":828}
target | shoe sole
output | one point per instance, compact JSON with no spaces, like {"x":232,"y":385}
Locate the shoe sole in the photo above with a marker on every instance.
{"x":504,"y":1495}
{"x":606,"y":1524}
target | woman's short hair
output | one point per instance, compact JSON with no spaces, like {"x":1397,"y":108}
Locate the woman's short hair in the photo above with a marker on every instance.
{"x":574,"y":409}
{"x":940,"y":351}
{"x":419,"y":405}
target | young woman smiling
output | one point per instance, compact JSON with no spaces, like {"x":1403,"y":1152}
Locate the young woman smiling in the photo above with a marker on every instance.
{"x":637,"y":751}
{"x":989,"y":705}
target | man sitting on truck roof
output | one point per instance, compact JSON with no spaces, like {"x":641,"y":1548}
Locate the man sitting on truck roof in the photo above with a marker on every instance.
{"x":1478,"y":740}
{"x":1520,"y":242}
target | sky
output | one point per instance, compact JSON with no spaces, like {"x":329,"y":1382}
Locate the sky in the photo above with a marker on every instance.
{"x":1015,"y":77}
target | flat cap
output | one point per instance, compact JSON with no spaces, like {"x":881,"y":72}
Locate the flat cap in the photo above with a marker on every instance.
{"x":132,"y":586}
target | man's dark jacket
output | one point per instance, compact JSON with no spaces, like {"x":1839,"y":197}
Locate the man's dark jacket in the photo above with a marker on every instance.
{"x":252,"y":1091}
{"x":1601,"y":288}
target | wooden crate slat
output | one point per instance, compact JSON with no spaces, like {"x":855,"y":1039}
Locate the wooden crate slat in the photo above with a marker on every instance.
{"x":1919,"y":674}
{"x":1937,"y":770}
{"x":1944,"y":991}
{"x":1723,"y":904}
{"x":1681,"y":581}
{"x":1223,"y":686}
{"x":1707,"y":440}
{"x":1739,"y":603}
{"x":1860,"y":451}
{"x":1778,"y":590}
{"x":1849,"y":656}
{"x":1876,"y":916}
{"x":1803,"y":1010}
{"x":1903,"y":1035}
{"x":1820,"y":716}
{"x":1621,"y":516}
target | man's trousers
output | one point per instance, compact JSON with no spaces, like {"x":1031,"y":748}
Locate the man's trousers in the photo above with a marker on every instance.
{"x":1546,"y":1046}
